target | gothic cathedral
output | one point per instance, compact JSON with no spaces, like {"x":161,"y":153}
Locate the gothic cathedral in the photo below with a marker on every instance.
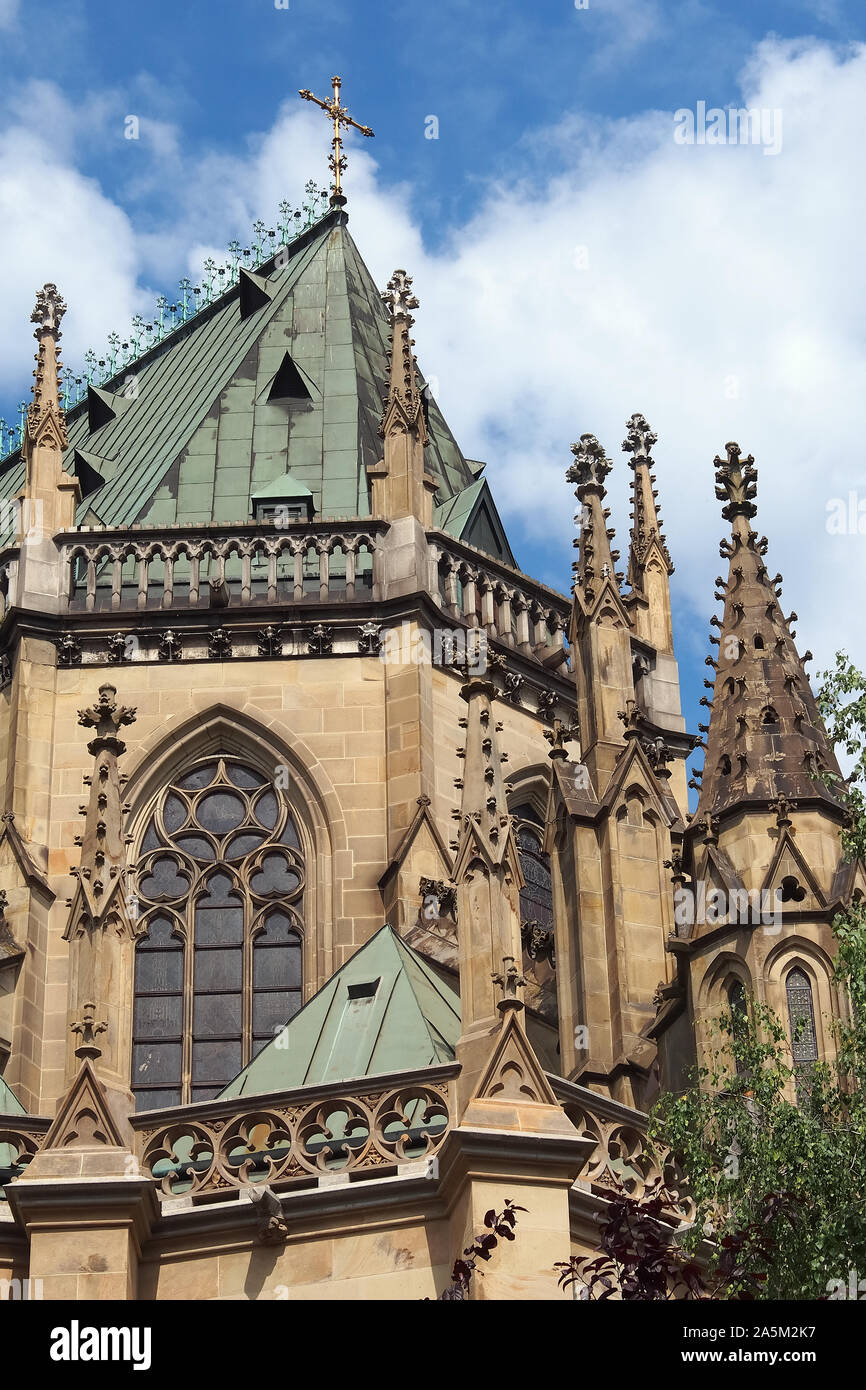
{"x":343,"y":863}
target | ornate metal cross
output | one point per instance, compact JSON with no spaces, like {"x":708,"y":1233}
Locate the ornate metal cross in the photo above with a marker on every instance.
{"x":340,"y":116}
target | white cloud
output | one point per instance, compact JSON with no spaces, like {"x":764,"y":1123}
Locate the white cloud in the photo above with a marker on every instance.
{"x":722,"y":295}
{"x":58,"y":225}
{"x":8,"y":13}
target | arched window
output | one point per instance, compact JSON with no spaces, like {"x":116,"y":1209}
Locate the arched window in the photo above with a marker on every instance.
{"x":739,"y":1020}
{"x":218,"y":969}
{"x":801,"y":1017}
{"x":536,"y":911}
{"x":536,"y":898}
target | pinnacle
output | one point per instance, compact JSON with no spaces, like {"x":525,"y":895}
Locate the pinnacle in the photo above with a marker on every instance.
{"x":588,"y":472}
{"x":484,"y":804}
{"x":403,"y":400}
{"x":645,"y":515}
{"x":765,"y":738}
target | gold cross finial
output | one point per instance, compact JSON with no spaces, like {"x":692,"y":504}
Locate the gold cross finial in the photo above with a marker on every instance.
{"x":340,"y":116}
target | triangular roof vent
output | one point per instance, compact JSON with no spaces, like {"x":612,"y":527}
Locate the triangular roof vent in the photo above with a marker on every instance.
{"x":104,"y":406}
{"x":255,"y":292}
{"x":288,"y":384}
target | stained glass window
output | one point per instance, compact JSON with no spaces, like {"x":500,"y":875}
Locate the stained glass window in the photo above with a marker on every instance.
{"x":536,"y":912}
{"x":219,"y":964}
{"x":801,"y":1017}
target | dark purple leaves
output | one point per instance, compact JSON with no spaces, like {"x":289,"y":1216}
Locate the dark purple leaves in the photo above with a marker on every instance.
{"x":498,"y":1226}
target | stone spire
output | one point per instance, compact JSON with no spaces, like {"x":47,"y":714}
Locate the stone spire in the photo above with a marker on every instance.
{"x":596,"y":559}
{"x":488,"y":878}
{"x":45,"y":420}
{"x":100,"y":928}
{"x":401,"y":484}
{"x":47,"y":502}
{"x":601,"y":626}
{"x":649,"y":561}
{"x":102,"y":849}
{"x":765,"y":738}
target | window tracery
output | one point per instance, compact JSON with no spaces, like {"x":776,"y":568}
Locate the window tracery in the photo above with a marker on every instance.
{"x":218,"y":969}
{"x":536,"y":911}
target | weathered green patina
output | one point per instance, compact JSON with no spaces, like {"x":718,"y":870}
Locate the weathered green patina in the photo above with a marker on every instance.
{"x":385,"y":1011}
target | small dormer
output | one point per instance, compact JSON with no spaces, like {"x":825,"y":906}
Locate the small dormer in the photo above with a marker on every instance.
{"x":282,"y":502}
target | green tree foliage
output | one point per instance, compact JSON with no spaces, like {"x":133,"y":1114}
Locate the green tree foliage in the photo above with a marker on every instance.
{"x":755,"y":1159}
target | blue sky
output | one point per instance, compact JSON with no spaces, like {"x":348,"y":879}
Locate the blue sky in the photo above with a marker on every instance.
{"x":574,"y":264}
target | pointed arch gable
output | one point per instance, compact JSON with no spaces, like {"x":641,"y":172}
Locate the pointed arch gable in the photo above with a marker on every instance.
{"x":634,"y":774}
{"x":788,"y":861}
{"x":797,"y":950}
{"x":722,"y":969}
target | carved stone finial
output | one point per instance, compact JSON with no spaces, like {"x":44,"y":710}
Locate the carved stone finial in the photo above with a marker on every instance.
{"x":591,"y":465}
{"x":782,"y":807}
{"x":50,"y":308}
{"x":399,"y":297}
{"x":639,"y":440}
{"x":106,"y":717}
{"x":736,"y":483}
{"x":559,"y":736}
{"x":88,"y":1028}
{"x":45,"y":419}
{"x":509,"y":980}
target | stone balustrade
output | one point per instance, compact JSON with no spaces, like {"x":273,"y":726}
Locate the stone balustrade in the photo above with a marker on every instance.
{"x":472,"y":587}
{"x":21,"y":1137}
{"x":622,"y":1159}
{"x":135,"y":569}
{"x":365,"y":1128}
{"x":249,"y":565}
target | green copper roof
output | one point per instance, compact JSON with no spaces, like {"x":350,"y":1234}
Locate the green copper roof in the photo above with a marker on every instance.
{"x":9,"y":1102}
{"x":384,"y":1011}
{"x":471,"y":516}
{"x":282,"y":487}
{"x":286,"y":371}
